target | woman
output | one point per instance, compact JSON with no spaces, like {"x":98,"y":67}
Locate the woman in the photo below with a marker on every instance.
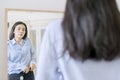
{"x":21,"y":55}
{"x":85,"y":45}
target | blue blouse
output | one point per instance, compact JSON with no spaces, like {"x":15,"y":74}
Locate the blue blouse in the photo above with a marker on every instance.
{"x":20,"y":56}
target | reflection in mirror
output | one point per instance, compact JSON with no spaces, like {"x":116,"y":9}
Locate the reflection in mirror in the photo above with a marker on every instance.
{"x":36,"y":22}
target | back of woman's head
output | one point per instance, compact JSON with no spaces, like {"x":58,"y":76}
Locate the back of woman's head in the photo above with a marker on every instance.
{"x":92,"y":29}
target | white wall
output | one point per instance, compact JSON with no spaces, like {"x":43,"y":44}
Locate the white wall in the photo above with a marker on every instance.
{"x":118,"y":3}
{"x":54,"y":5}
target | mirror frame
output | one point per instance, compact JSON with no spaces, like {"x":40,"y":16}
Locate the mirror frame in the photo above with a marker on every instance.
{"x":26,"y":10}
{"x":22,"y":10}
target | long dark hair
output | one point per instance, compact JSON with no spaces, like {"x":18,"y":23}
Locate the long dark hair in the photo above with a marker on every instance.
{"x":92,"y":29}
{"x":11,"y":35}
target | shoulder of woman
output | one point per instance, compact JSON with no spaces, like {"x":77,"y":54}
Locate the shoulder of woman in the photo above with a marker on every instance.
{"x":9,"y":41}
{"x":27,"y":40}
{"x":54,"y":24}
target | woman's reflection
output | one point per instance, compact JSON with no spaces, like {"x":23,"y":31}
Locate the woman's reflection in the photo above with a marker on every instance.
{"x":21,"y":54}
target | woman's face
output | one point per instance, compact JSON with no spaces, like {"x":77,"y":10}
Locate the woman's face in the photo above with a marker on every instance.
{"x":19,"y":31}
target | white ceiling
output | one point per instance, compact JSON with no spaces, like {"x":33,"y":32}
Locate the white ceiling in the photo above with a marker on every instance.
{"x":32,"y":16}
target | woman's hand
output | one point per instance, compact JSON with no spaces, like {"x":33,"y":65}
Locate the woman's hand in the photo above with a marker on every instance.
{"x":27,"y":69}
{"x":32,"y":67}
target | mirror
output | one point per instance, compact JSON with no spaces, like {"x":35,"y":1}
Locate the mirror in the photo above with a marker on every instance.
{"x":36,"y":21}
